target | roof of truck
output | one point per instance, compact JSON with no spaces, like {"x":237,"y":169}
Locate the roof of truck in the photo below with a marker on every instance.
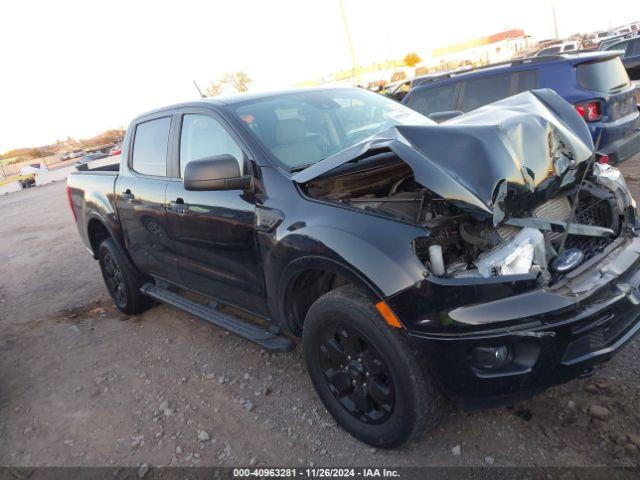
{"x":238,"y":98}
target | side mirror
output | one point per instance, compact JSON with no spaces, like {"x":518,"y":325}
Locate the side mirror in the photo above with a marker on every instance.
{"x":440,"y":117}
{"x":220,"y":172}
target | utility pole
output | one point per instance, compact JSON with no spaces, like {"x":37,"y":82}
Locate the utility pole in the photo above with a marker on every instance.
{"x":354,"y":65}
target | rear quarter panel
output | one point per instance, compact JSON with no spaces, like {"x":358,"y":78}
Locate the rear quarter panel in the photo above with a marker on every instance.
{"x":92,"y":197}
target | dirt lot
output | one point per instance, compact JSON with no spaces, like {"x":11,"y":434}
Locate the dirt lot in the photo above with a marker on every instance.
{"x":82,"y":385}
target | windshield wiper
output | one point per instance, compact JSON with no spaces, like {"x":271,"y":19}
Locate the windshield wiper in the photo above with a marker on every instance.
{"x":301,"y":167}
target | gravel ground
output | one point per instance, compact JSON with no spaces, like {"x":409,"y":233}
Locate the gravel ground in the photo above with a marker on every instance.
{"x":80,"y":384}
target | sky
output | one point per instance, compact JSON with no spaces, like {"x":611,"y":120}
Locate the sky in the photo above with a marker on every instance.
{"x":77,"y":68}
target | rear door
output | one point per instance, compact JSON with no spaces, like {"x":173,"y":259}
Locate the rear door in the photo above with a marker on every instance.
{"x":214,"y":231}
{"x":140,"y":198}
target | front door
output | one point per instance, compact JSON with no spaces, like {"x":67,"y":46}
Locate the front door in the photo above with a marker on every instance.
{"x":140,"y":200}
{"x":214,"y":230}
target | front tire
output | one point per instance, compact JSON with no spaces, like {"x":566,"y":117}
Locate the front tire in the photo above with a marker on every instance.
{"x":122,"y":279}
{"x":366,"y":373}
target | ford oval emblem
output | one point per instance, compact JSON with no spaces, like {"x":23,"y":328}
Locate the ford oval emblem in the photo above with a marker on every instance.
{"x":567,"y":260}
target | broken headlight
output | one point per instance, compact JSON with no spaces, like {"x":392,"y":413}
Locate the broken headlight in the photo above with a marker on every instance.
{"x":515,"y":257}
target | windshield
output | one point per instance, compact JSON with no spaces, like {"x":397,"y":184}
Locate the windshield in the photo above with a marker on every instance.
{"x":301,"y":129}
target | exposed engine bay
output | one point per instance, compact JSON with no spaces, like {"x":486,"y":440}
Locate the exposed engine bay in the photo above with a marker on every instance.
{"x":459,"y":243}
{"x":511,"y":188}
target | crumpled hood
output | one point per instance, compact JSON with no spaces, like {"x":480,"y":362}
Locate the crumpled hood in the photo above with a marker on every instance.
{"x":523,"y":144}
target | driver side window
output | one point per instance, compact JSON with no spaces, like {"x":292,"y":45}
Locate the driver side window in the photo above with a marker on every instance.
{"x":203,"y":136}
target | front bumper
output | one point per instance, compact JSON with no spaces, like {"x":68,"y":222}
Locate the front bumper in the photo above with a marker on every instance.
{"x":553,"y":335}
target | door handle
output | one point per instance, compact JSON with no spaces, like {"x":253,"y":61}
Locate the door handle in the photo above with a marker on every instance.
{"x":179,"y":206}
{"x":128,"y":196}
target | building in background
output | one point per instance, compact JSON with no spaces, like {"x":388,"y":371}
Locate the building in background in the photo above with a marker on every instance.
{"x":494,"y":48}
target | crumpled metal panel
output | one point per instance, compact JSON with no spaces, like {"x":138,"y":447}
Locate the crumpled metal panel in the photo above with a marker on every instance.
{"x":525,"y":143}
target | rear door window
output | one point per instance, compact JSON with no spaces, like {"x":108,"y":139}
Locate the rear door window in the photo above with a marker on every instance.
{"x":150,"y":147}
{"x":602,"y":76}
{"x":478,"y":92}
{"x":436,"y":99}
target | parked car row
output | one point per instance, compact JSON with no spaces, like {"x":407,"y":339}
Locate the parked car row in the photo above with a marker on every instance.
{"x":563,"y":47}
{"x":114,"y":150}
{"x":89,"y":157}
{"x":72,"y":154}
{"x":630,"y":54}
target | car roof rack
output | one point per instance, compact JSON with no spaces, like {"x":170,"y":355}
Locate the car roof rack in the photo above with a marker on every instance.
{"x":520,"y":61}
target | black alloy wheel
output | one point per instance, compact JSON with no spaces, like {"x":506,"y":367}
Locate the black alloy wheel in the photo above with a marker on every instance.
{"x":122,"y":278}
{"x":367,"y":373}
{"x":114,"y":280}
{"x":356,"y":375}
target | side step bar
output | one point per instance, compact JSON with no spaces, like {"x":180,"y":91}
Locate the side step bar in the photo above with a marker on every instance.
{"x":263,"y":337}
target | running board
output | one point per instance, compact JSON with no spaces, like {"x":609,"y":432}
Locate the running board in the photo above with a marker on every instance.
{"x":263,"y":337}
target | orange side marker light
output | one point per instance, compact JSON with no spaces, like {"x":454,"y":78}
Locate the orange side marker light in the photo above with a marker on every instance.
{"x":388,"y":314}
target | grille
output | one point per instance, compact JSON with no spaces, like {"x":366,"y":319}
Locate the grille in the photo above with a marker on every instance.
{"x":596,"y":212}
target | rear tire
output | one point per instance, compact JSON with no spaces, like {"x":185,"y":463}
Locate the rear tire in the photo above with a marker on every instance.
{"x":366,"y":373}
{"x":122,"y":279}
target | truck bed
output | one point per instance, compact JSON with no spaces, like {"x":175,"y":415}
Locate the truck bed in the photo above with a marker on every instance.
{"x":108,"y":164}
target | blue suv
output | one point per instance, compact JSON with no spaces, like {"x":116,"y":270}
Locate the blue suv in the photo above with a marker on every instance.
{"x":595,"y":83}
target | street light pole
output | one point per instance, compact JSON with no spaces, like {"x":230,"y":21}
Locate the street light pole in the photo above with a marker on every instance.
{"x":354,"y":65}
{"x":555,"y":20}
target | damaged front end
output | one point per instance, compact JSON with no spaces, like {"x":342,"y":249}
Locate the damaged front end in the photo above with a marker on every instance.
{"x":509,"y":189}
{"x":530,"y":246}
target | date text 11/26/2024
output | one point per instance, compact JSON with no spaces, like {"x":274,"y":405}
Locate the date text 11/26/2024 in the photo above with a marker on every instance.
{"x":315,"y":472}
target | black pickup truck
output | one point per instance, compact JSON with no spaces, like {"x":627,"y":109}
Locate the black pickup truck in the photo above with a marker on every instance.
{"x":487,"y":257}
